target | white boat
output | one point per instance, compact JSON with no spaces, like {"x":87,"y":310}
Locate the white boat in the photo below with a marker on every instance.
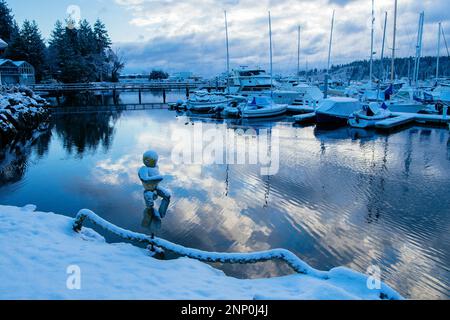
{"x":406,"y":100}
{"x":369,"y":115}
{"x":202,"y":101}
{"x":256,"y":82}
{"x":336,"y":110}
{"x":262,"y":107}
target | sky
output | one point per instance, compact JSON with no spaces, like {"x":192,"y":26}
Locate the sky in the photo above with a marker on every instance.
{"x":189,"y":35}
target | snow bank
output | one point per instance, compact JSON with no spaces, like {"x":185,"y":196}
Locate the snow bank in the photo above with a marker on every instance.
{"x":20,"y":110}
{"x":37,"y":249}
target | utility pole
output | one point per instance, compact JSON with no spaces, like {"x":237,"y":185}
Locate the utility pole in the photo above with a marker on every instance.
{"x":394,"y":41}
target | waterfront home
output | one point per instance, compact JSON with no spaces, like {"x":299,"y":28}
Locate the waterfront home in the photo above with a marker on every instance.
{"x":16,"y":72}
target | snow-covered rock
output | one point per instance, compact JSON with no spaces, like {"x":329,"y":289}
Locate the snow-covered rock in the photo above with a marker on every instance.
{"x":20,"y":110}
{"x":40,"y":251}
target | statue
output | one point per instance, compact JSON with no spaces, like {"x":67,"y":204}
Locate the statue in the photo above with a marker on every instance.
{"x":151,"y":178}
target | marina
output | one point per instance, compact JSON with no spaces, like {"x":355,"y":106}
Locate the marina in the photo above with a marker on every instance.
{"x":204,"y":150}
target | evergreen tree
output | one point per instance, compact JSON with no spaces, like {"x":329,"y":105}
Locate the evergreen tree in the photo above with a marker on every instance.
{"x":28,"y":45}
{"x":103,"y":42}
{"x":82,"y":54}
{"x":7,"y":25}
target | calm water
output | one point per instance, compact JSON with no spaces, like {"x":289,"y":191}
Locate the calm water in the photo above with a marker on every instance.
{"x":341,"y":197}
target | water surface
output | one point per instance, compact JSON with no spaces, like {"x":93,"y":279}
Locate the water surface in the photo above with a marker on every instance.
{"x":341,"y":197}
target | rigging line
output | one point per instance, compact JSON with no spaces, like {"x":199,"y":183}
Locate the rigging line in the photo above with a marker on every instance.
{"x":445,"y":41}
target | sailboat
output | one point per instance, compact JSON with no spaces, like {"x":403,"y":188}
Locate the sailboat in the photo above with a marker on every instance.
{"x":264,"y":106}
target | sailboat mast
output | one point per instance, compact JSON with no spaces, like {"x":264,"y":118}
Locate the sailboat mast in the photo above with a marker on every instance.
{"x":438,"y":51}
{"x":371,"y":43}
{"x":382,"y":46}
{"x":418,"y":49}
{"x":329,"y":56}
{"x":271,"y":56}
{"x":228,"y":54}
{"x":298,"y":54}
{"x":394,"y":42}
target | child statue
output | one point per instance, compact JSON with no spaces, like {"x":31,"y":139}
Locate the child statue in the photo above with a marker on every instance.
{"x":150,"y":177}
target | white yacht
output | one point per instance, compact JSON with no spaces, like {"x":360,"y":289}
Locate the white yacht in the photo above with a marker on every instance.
{"x":256,"y":82}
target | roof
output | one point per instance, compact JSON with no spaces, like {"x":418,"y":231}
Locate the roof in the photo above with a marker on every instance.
{"x":19,"y":63}
{"x":3,"y":44}
{"x":5,"y":61}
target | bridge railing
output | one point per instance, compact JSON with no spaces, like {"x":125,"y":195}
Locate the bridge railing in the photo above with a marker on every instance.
{"x":115,"y":86}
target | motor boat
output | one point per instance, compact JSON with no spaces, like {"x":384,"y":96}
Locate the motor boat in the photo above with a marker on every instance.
{"x":203,"y":101}
{"x":336,"y":110}
{"x":369,"y":115}
{"x":261,"y":107}
{"x":410,"y":100}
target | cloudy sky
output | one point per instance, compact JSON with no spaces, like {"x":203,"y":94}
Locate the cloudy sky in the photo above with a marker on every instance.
{"x":179,"y":35}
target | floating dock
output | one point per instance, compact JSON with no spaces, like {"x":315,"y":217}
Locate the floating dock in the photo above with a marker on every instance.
{"x":305,"y":118}
{"x":401,"y":118}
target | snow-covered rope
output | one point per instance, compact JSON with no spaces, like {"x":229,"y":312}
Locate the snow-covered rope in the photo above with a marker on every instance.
{"x":287,"y":256}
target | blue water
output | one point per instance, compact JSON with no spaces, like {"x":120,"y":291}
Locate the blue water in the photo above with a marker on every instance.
{"x":341,"y":197}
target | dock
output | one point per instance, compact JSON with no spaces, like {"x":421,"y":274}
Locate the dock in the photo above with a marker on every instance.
{"x":399,"y":119}
{"x":305,"y":118}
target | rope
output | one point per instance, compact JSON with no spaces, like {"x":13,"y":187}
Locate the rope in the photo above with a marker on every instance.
{"x":288,"y":257}
{"x":445,"y":41}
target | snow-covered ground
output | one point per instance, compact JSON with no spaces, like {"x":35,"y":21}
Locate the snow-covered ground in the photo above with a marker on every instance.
{"x":38,"y":249}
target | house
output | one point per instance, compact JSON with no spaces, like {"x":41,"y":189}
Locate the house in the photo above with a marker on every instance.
{"x":16,"y":72}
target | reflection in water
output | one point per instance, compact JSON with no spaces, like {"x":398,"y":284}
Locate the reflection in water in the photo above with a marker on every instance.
{"x":14,"y":157}
{"x":82,"y":133}
{"x":339,"y":198}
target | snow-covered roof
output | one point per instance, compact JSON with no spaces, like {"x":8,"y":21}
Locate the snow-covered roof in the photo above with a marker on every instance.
{"x":19,"y":63}
{"x":3,"y":44}
{"x":5,"y":61}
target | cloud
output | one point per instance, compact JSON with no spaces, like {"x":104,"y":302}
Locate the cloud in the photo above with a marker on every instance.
{"x":190,"y":34}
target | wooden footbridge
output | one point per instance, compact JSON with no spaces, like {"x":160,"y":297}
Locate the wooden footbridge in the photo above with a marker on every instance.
{"x":114,"y":90}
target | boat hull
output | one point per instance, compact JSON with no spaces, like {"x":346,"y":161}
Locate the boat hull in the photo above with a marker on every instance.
{"x":326,"y":119}
{"x":264,"y":112}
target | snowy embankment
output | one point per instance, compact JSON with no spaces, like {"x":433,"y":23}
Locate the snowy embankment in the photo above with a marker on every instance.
{"x":21,"y":110}
{"x":37,"y":250}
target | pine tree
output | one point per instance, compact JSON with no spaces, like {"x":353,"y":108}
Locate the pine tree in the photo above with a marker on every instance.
{"x":28,"y":45}
{"x":103,"y":42}
{"x":7,"y":24}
